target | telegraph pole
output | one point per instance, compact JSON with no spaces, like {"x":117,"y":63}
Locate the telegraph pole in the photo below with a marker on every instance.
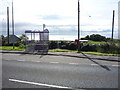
{"x":13,"y":23}
{"x":113,"y":23}
{"x":12,"y":19}
{"x":8,"y":24}
{"x":78,"y":25}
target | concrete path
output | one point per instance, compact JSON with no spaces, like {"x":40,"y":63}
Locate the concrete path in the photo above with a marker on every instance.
{"x":72,"y":54}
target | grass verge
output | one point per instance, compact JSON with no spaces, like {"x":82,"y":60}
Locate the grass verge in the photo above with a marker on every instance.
{"x":96,"y":42}
{"x":59,"y":50}
{"x":91,"y":53}
{"x":102,"y":54}
{"x":11,"y":48}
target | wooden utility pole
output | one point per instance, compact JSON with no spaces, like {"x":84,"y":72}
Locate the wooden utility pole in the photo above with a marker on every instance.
{"x":12,"y":19}
{"x":8,"y":24}
{"x":113,"y":23}
{"x":13,"y":23}
{"x":78,"y":25}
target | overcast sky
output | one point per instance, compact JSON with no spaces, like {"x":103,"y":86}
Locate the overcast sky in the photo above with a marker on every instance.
{"x":60,"y":16}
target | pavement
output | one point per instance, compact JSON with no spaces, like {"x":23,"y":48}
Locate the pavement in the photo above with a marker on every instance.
{"x":70,"y":54}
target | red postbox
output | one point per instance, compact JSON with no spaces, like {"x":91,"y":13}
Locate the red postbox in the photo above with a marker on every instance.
{"x":76,"y":43}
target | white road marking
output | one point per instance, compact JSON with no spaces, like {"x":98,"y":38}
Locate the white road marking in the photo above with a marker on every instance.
{"x":67,"y":63}
{"x":21,"y":60}
{"x":27,"y":60}
{"x":116,"y":65}
{"x":11,"y":54}
{"x":54,"y":62}
{"x":34,"y":83}
{"x":36,"y":61}
{"x":74,"y":63}
{"x":94,"y":64}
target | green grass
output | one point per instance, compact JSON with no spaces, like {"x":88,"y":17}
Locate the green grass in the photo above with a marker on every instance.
{"x":96,"y":42}
{"x":102,"y":54}
{"x":91,"y":53}
{"x":59,"y":50}
{"x":11,"y":48}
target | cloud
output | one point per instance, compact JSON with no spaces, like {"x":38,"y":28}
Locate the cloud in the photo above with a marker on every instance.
{"x":60,"y":16}
{"x":60,"y":30}
{"x":51,"y":17}
{"x":23,"y":24}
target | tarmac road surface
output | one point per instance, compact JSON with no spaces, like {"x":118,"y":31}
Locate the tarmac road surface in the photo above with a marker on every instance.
{"x":57,"y":72}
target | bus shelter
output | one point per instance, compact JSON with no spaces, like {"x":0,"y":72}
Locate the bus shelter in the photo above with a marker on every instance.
{"x":39,"y":46}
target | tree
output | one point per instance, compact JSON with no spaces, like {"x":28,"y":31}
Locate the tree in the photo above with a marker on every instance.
{"x":23,"y":37}
{"x":2,"y":40}
{"x":95,"y":37}
{"x":87,"y":37}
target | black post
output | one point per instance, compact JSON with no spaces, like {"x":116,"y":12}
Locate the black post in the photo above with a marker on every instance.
{"x":31,"y":36}
{"x":113,"y":23}
{"x":43,"y":26}
{"x":34,"y":36}
{"x":8,"y":23}
{"x":78,"y":25}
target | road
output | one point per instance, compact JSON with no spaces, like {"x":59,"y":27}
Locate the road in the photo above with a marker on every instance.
{"x":47,"y":71}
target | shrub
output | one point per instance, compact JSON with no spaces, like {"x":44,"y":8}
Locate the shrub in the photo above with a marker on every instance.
{"x":89,"y":47}
{"x":22,"y":45}
{"x":52,"y":45}
{"x":95,"y":37}
{"x":71,"y":46}
{"x":109,"y":48}
{"x":64,"y":46}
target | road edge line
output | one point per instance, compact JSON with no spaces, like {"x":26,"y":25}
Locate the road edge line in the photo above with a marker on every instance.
{"x":40,"y":84}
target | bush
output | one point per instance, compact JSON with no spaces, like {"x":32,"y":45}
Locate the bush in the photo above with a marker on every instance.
{"x":109,"y":48}
{"x":71,"y":46}
{"x":89,"y":47}
{"x":95,"y":37}
{"x":52,"y":45}
{"x":64,"y":46}
{"x":22,"y":45}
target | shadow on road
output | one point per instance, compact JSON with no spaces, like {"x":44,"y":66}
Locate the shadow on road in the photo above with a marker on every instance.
{"x":42,"y":55}
{"x":103,"y":66}
{"x":85,"y":56}
{"x":35,"y":53}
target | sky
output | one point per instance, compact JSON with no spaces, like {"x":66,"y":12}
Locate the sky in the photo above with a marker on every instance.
{"x":61,"y":17}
